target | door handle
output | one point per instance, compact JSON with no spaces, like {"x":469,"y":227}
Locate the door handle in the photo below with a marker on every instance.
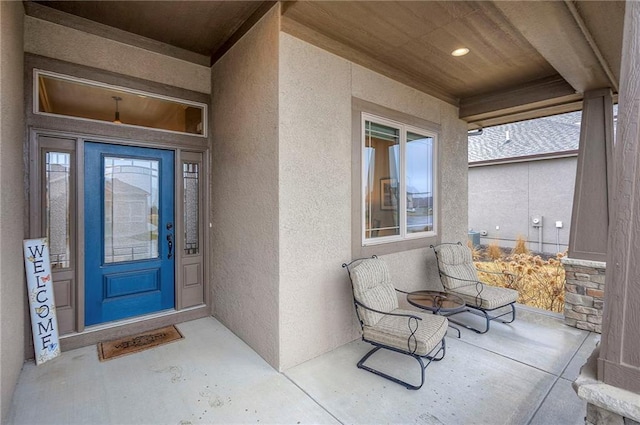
{"x":170,"y":243}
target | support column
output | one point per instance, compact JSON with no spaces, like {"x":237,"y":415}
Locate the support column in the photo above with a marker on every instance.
{"x":619,"y":361}
{"x":585,"y":264}
{"x":610,"y":381}
{"x":590,"y":216}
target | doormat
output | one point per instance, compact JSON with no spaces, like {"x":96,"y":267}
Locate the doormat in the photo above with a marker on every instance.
{"x":133,"y":344}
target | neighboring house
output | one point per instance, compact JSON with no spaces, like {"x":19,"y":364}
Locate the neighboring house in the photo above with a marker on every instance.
{"x":521,"y":182}
{"x":285,"y":136}
{"x":128,"y":229}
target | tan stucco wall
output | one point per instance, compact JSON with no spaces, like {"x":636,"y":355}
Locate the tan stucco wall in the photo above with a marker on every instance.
{"x":245,"y":188}
{"x":56,"y":41}
{"x":454,"y":183}
{"x":315,"y":207}
{"x":12,"y":299}
{"x":316,"y":89}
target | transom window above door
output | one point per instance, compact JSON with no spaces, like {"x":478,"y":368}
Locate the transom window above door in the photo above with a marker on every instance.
{"x":77,"y":98}
{"x":398,"y":181}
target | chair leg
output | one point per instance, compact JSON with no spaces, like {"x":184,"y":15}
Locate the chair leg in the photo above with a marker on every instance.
{"x":488,"y":318}
{"x":513,"y":314}
{"x":440,"y":351}
{"x":409,"y":386}
{"x":455,"y":328}
{"x":471,"y":328}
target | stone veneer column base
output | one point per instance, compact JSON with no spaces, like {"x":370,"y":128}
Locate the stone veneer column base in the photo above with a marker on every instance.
{"x":584,"y":293}
{"x":606,"y":404}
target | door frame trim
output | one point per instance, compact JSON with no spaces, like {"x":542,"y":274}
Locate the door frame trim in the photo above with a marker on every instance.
{"x":84,"y":335}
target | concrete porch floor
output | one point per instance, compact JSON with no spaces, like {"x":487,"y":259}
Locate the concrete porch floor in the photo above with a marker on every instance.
{"x":516,"y":374}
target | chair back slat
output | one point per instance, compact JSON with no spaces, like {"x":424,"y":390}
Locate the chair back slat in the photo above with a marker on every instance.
{"x":455,"y":260}
{"x":372,"y":287}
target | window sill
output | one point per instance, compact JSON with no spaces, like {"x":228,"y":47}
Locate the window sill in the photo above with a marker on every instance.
{"x":360,"y":250}
{"x":394,"y":239}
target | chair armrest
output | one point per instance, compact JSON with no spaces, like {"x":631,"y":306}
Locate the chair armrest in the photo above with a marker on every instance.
{"x":478,"y":284}
{"x":471,"y":281}
{"x":412,"y":341}
{"x":410,"y":316}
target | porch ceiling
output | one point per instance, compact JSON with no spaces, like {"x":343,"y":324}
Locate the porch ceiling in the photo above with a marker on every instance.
{"x":198,"y":26}
{"x":527,"y":59}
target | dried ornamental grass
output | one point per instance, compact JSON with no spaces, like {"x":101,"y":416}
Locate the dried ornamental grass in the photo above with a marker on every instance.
{"x":540,"y":282}
{"x":521,"y":246}
{"x":494,"y":252}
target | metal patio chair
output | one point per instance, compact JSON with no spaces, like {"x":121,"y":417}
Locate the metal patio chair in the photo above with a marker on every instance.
{"x":385,"y":326}
{"x":459,"y":276}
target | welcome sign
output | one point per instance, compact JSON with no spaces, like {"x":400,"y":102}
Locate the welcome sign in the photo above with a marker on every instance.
{"x":44,"y":323}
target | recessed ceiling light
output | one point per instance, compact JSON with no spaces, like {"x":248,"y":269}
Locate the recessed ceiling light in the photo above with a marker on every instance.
{"x":460,"y":52}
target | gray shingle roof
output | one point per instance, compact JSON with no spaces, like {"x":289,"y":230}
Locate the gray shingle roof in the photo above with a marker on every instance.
{"x":559,"y":133}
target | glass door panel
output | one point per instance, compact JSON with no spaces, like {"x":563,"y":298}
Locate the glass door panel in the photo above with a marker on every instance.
{"x":130,"y":209}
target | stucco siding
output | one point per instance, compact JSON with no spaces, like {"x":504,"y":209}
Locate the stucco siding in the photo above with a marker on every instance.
{"x":509,"y":195}
{"x":12,"y":298}
{"x":315,"y":212}
{"x":375,"y":88}
{"x":316,"y":91}
{"x":498,"y":197}
{"x":244,"y":195}
{"x":56,"y":41}
{"x":453,"y":172}
{"x":414,"y":270}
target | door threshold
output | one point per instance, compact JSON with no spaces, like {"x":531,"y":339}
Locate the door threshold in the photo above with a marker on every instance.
{"x":112,"y":330}
{"x":128,"y":321}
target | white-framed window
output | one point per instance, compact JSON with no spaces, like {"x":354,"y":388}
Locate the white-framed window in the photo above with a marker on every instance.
{"x":398,"y":181}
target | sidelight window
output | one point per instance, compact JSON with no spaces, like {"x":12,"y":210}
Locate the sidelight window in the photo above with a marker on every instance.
{"x":191,"y":177}
{"x":57,"y":199}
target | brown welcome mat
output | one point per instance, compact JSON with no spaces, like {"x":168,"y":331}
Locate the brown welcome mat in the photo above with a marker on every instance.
{"x":132,"y":344}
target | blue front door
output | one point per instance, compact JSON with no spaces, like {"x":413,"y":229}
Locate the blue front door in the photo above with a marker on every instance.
{"x":129,"y":231}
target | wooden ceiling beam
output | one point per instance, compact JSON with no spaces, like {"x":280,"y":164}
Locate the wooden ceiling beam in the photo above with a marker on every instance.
{"x":553,"y":30}
{"x":518,"y":101}
{"x":592,"y":44}
{"x":529,"y":114}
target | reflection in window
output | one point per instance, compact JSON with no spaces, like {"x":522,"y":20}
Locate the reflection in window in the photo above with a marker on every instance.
{"x":58,"y":207}
{"x":398,"y":180}
{"x":131,"y":203}
{"x":191,"y":178}
{"x":419,"y":178}
{"x":381,"y":183}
